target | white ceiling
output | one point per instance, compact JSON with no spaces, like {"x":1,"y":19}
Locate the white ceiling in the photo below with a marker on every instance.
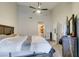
{"x":49,"y":5}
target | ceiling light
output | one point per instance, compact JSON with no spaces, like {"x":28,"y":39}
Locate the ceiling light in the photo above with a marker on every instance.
{"x":38,"y":11}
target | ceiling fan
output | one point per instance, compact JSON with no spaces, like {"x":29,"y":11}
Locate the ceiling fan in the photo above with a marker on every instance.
{"x":38,"y":9}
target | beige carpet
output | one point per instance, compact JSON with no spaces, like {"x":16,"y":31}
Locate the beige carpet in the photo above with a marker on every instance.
{"x":58,"y":49}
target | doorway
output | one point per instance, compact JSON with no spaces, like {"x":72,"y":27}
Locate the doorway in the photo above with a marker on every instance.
{"x":41,"y":29}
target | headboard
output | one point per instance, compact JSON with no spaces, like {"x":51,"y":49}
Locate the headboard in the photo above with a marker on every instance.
{"x":6,"y":30}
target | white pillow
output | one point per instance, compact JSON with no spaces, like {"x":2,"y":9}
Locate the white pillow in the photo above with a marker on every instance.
{"x":12,"y":35}
{"x":3,"y":36}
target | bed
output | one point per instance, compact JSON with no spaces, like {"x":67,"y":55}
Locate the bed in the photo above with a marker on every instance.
{"x":23,"y":46}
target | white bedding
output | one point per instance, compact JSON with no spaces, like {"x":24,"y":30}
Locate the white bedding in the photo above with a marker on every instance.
{"x":40,"y":45}
{"x":12,"y":44}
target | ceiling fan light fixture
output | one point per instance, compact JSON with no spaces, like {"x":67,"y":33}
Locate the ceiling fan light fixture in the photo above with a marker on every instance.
{"x":38,"y":11}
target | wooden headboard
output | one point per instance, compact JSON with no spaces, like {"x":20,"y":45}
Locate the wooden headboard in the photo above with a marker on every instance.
{"x":6,"y":30}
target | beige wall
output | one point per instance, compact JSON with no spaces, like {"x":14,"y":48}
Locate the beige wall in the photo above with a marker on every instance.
{"x":59,"y":14}
{"x":75,"y":8}
{"x":8,"y":14}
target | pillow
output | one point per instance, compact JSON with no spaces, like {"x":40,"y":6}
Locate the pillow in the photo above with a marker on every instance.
{"x":22,"y":34}
{"x":12,"y":35}
{"x":3,"y":36}
{"x":7,"y":36}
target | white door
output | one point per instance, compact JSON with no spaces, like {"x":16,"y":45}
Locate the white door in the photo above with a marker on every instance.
{"x":58,"y":32}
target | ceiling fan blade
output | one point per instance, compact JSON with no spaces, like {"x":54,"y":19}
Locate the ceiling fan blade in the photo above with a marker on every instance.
{"x":44,"y":9}
{"x":34,"y":11}
{"x":32,"y":7}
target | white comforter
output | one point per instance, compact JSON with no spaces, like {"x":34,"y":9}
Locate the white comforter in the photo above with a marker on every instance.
{"x":12,"y":44}
{"x":40,"y":45}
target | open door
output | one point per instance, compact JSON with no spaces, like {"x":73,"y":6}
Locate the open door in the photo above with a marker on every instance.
{"x":41,"y":29}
